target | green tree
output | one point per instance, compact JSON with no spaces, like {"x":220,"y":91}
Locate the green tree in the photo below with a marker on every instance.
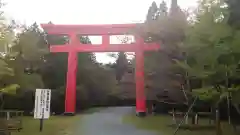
{"x":163,"y":10}
{"x":34,"y":49}
{"x":6,"y":39}
{"x":169,"y":31}
{"x":121,"y":65}
{"x":191,"y":50}
{"x":212,"y":57}
{"x":152,"y":11}
{"x":29,"y":50}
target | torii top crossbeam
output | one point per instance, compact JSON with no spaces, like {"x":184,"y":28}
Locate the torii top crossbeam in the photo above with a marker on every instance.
{"x":102,"y":30}
{"x":112,"y":29}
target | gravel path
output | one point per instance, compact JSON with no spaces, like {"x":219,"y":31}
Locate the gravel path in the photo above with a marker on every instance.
{"x":109,"y":122}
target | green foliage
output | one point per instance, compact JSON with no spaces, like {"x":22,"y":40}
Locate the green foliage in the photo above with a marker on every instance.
{"x":211,"y":93}
{"x":235,"y":92}
{"x":11,"y":89}
{"x":194,"y":71}
{"x":4,"y":69}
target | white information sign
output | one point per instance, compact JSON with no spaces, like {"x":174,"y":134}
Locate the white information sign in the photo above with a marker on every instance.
{"x":42,"y":104}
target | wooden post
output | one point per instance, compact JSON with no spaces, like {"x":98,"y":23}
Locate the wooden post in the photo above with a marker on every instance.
{"x":173,"y":115}
{"x":186,"y":120}
{"x":8,"y":115}
{"x":196,"y":118}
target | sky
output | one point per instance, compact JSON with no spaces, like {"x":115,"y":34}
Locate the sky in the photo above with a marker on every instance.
{"x":83,"y":12}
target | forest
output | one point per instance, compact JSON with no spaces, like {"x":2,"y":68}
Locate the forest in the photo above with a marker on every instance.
{"x":199,"y":58}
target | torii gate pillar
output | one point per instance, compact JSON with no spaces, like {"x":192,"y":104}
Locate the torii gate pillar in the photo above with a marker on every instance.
{"x":139,"y":78}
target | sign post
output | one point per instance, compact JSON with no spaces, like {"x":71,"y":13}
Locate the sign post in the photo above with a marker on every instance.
{"x":42,"y":105}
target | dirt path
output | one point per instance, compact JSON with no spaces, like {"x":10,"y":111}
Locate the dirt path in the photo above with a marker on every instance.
{"x":109,"y":122}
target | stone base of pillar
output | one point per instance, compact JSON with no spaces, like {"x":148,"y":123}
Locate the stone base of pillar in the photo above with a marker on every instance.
{"x":141,"y":114}
{"x":69,"y":114}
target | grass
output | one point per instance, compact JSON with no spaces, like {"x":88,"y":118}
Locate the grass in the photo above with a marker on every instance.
{"x":160,"y":123}
{"x":56,"y":125}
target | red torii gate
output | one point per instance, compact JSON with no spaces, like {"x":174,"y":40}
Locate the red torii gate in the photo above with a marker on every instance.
{"x":74,"y":46}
